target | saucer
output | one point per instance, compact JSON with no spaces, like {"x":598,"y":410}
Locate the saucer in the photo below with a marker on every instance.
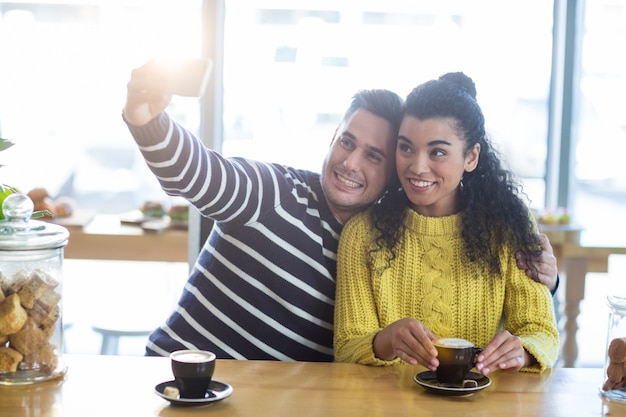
{"x":217,"y":391}
{"x":428,"y":380}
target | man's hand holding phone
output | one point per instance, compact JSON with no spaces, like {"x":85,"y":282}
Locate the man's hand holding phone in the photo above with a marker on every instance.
{"x":152,"y":86}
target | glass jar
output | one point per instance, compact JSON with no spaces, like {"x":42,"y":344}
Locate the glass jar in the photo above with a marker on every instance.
{"x":31,"y":323}
{"x":614,"y":383}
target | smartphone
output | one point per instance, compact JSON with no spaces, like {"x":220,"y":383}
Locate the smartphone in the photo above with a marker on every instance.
{"x":190,"y":77}
{"x":186,"y":77}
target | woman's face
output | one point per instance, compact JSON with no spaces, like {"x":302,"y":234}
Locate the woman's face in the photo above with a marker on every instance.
{"x":430,"y":161}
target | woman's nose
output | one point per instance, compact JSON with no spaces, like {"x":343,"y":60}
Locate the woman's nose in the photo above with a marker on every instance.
{"x":419,"y":164}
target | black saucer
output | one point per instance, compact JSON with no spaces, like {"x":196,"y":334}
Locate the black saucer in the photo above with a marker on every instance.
{"x":477,"y":382}
{"x":217,"y":391}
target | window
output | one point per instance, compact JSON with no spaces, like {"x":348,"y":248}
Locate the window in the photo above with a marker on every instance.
{"x":288,"y":80}
{"x":599,"y":185}
{"x":63,"y":79}
{"x":290,"y":70}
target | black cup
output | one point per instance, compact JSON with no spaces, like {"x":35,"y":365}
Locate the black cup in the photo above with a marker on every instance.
{"x":456,"y":358}
{"x":193,"y":370}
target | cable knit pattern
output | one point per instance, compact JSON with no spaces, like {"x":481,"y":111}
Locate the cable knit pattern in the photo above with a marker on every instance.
{"x":432,"y":281}
{"x":436,"y":284}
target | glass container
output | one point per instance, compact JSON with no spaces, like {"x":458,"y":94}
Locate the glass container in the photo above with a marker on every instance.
{"x":31,"y":319}
{"x":614,"y":383}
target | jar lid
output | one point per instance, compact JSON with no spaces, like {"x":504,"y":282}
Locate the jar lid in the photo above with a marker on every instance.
{"x":19,"y":232}
{"x":617,"y":304}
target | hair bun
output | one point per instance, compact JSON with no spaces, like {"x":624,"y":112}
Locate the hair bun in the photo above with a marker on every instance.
{"x":462,"y":81}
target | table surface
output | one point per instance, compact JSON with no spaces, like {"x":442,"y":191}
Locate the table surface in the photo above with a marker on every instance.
{"x":575,"y":258}
{"x":106,"y":237}
{"x":124,"y":386}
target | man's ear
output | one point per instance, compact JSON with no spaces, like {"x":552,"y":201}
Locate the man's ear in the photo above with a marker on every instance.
{"x":334,"y":135}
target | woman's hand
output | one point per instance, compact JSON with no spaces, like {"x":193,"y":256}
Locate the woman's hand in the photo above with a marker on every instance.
{"x":505,"y":351}
{"x":409,"y":340}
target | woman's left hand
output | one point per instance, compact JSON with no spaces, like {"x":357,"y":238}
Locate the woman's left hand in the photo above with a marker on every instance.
{"x":505,"y":351}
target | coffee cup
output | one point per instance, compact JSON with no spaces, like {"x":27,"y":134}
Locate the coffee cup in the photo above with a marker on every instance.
{"x":456,"y":357}
{"x":193,"y":370}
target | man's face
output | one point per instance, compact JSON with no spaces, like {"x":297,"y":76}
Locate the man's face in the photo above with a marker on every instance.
{"x":359,"y":163}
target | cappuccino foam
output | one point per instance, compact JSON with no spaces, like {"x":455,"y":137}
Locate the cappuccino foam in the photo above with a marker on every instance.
{"x":453,"y":342}
{"x":192,"y":356}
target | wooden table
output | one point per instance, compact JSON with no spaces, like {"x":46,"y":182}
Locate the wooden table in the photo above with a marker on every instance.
{"x":574,"y":260}
{"x":123,"y":386}
{"x":105,"y":237}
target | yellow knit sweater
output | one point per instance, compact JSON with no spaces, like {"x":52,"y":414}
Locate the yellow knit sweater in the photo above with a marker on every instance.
{"x":432,"y":281}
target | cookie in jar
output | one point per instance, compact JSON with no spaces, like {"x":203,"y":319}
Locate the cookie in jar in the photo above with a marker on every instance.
{"x":614,"y":383}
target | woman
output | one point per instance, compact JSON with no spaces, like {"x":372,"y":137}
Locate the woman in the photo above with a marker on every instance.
{"x":435,"y":258}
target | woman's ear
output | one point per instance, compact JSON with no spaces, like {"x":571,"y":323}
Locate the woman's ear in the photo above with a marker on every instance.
{"x":471,"y":158}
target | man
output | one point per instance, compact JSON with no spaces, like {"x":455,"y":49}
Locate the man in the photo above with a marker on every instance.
{"x":263,"y":286}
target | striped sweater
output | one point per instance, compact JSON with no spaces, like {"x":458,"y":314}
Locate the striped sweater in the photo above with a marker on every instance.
{"x":263,"y":285}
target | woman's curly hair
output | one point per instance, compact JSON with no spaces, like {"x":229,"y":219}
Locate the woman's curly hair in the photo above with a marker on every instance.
{"x":493,"y":213}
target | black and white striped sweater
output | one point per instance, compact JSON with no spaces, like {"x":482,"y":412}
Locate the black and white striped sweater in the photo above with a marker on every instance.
{"x":263,"y":286}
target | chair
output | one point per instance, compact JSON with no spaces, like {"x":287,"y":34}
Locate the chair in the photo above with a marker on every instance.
{"x":111,"y":336}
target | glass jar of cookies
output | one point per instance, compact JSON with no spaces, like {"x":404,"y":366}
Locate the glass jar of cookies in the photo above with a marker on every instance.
{"x":614,"y":383}
{"x":31,"y":323}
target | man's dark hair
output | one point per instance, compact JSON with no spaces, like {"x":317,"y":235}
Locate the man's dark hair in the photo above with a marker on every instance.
{"x":382,"y":103}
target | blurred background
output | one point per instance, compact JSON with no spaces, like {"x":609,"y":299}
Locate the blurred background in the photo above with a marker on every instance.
{"x":290,"y":68}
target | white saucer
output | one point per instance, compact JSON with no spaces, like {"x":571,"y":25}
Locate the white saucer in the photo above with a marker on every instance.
{"x":217,"y":391}
{"x":428,"y":380}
